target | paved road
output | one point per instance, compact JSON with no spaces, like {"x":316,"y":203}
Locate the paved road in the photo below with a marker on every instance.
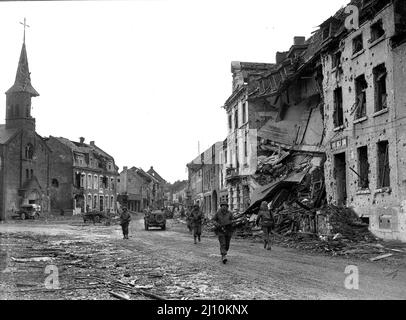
{"x":251,"y":272}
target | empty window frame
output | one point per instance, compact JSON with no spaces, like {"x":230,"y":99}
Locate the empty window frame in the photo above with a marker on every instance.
{"x":377,"y":31}
{"x":363,"y":168}
{"x":337,"y":59}
{"x":338,"y":107}
{"x":357,"y":44}
{"x":383,"y":168}
{"x":360,"y":92}
{"x":380,"y":87}
{"x":244,"y":112}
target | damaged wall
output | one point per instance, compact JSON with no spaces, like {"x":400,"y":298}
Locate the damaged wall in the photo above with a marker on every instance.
{"x":369,"y":126}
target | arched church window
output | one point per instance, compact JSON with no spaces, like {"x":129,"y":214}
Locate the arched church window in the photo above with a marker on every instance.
{"x":29,"y":151}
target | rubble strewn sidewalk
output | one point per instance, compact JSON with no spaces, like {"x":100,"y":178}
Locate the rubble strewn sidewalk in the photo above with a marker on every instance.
{"x":344,"y":234}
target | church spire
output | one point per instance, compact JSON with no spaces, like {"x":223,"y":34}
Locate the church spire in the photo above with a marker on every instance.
{"x":22,"y":81}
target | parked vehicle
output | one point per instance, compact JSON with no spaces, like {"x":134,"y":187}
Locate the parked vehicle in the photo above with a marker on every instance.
{"x":29,"y":211}
{"x":95,"y":216}
{"x":156,"y":218}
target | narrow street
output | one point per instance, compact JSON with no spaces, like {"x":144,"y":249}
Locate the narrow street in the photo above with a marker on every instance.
{"x":93,"y":260}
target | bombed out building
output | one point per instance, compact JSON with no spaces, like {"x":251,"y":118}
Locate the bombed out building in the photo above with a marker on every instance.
{"x":364,"y":84}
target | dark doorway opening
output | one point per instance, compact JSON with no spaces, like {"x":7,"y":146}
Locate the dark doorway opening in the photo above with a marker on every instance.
{"x":341,"y":178}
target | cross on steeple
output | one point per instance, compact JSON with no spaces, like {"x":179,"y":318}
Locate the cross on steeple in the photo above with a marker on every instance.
{"x":25,"y":25}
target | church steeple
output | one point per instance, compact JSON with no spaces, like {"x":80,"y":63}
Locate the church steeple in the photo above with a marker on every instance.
{"x":18,"y":101}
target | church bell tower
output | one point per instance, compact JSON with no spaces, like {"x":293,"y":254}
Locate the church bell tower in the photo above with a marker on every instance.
{"x":18,"y":97}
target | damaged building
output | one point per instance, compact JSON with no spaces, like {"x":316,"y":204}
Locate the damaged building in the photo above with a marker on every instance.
{"x":364,"y":74}
{"x":83,"y":177}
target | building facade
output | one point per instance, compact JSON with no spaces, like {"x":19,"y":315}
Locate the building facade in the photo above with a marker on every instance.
{"x":136,"y":185}
{"x":203,"y":179}
{"x":364,"y":73}
{"x":83,"y":177}
{"x":24,"y":155}
{"x":244,"y":118}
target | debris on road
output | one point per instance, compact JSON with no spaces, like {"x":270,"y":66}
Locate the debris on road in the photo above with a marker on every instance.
{"x":381,"y":257}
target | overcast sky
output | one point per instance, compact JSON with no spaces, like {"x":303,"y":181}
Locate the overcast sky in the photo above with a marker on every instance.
{"x":145,"y":79}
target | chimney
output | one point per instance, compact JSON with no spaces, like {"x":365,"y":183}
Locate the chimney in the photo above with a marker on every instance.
{"x":92,"y":143}
{"x":298,"y":41}
{"x":280,"y":56}
{"x":82,"y":140}
{"x":125,"y":168}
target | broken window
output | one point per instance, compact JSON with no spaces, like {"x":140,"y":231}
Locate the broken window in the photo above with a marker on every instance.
{"x":337,"y":59}
{"x":383,"y":164}
{"x":340,"y":177}
{"x":338,"y":108}
{"x":363,"y":168}
{"x":377,"y":31}
{"x":360,"y":92}
{"x":380,"y":87}
{"x":357,"y":44}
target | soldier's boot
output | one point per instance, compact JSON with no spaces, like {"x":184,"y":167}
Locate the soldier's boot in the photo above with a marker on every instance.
{"x":265,"y":243}
{"x":195,"y":240}
{"x":269,"y":246}
{"x":198,"y":237}
{"x":224,"y":259}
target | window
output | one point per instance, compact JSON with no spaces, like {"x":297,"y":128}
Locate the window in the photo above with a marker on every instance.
{"x":363,"y":168}
{"x":29,"y":151}
{"x":380,"y":87}
{"x":101,"y":182}
{"x":357,"y":44}
{"x":246,"y":144}
{"x":377,"y":31}
{"x":244,"y":112}
{"x":230,"y":125}
{"x":32,"y":173}
{"x":27,"y":111}
{"x":236,"y":118}
{"x":95,"y":182}
{"x":55,"y":183}
{"x":112,"y":202}
{"x":89,"y":181}
{"x":360,"y":92}
{"x":27,"y":174}
{"x":337,"y":59}
{"x":94,"y":201}
{"x":338,"y":108}
{"x":112,"y":183}
{"x":383,"y":164}
{"x":225,"y":156}
{"x":89,"y":201}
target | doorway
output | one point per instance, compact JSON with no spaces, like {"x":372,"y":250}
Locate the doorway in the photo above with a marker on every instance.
{"x":340,"y":173}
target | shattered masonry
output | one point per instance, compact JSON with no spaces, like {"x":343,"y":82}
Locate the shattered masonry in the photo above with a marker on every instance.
{"x":324,"y":125}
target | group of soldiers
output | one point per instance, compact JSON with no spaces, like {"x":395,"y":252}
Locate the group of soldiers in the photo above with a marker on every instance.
{"x":223,"y":221}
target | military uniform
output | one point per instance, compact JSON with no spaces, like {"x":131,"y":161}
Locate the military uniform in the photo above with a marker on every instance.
{"x":125,"y":218}
{"x":196,"y":217}
{"x":265,"y":218}
{"x":223,"y":220}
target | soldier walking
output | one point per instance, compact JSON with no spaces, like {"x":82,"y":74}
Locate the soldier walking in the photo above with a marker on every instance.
{"x":265,"y":218}
{"x":223,"y":220}
{"x":125,"y":218}
{"x":196,"y":217}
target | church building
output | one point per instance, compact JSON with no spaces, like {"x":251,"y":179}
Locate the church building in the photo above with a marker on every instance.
{"x":24,"y":155}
